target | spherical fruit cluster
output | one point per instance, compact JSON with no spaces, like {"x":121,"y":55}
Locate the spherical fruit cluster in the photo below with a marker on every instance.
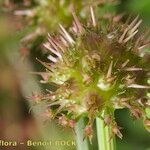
{"x":95,"y":70}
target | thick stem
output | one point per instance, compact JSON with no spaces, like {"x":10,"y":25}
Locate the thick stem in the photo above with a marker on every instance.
{"x":105,"y":142}
{"x":81,"y":144}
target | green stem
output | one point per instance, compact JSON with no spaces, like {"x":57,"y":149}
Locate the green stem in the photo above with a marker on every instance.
{"x":105,"y":142}
{"x":81,"y":144}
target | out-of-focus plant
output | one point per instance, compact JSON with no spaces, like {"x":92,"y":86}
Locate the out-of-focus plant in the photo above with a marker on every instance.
{"x":59,"y":11}
{"x":96,"y":68}
{"x":44,"y":16}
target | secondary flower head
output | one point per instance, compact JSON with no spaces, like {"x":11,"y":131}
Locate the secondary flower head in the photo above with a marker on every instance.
{"x":43,"y":16}
{"x":96,"y":69}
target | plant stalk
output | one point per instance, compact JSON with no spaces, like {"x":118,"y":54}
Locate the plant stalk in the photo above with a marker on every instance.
{"x":80,"y":143}
{"x":105,"y":142}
